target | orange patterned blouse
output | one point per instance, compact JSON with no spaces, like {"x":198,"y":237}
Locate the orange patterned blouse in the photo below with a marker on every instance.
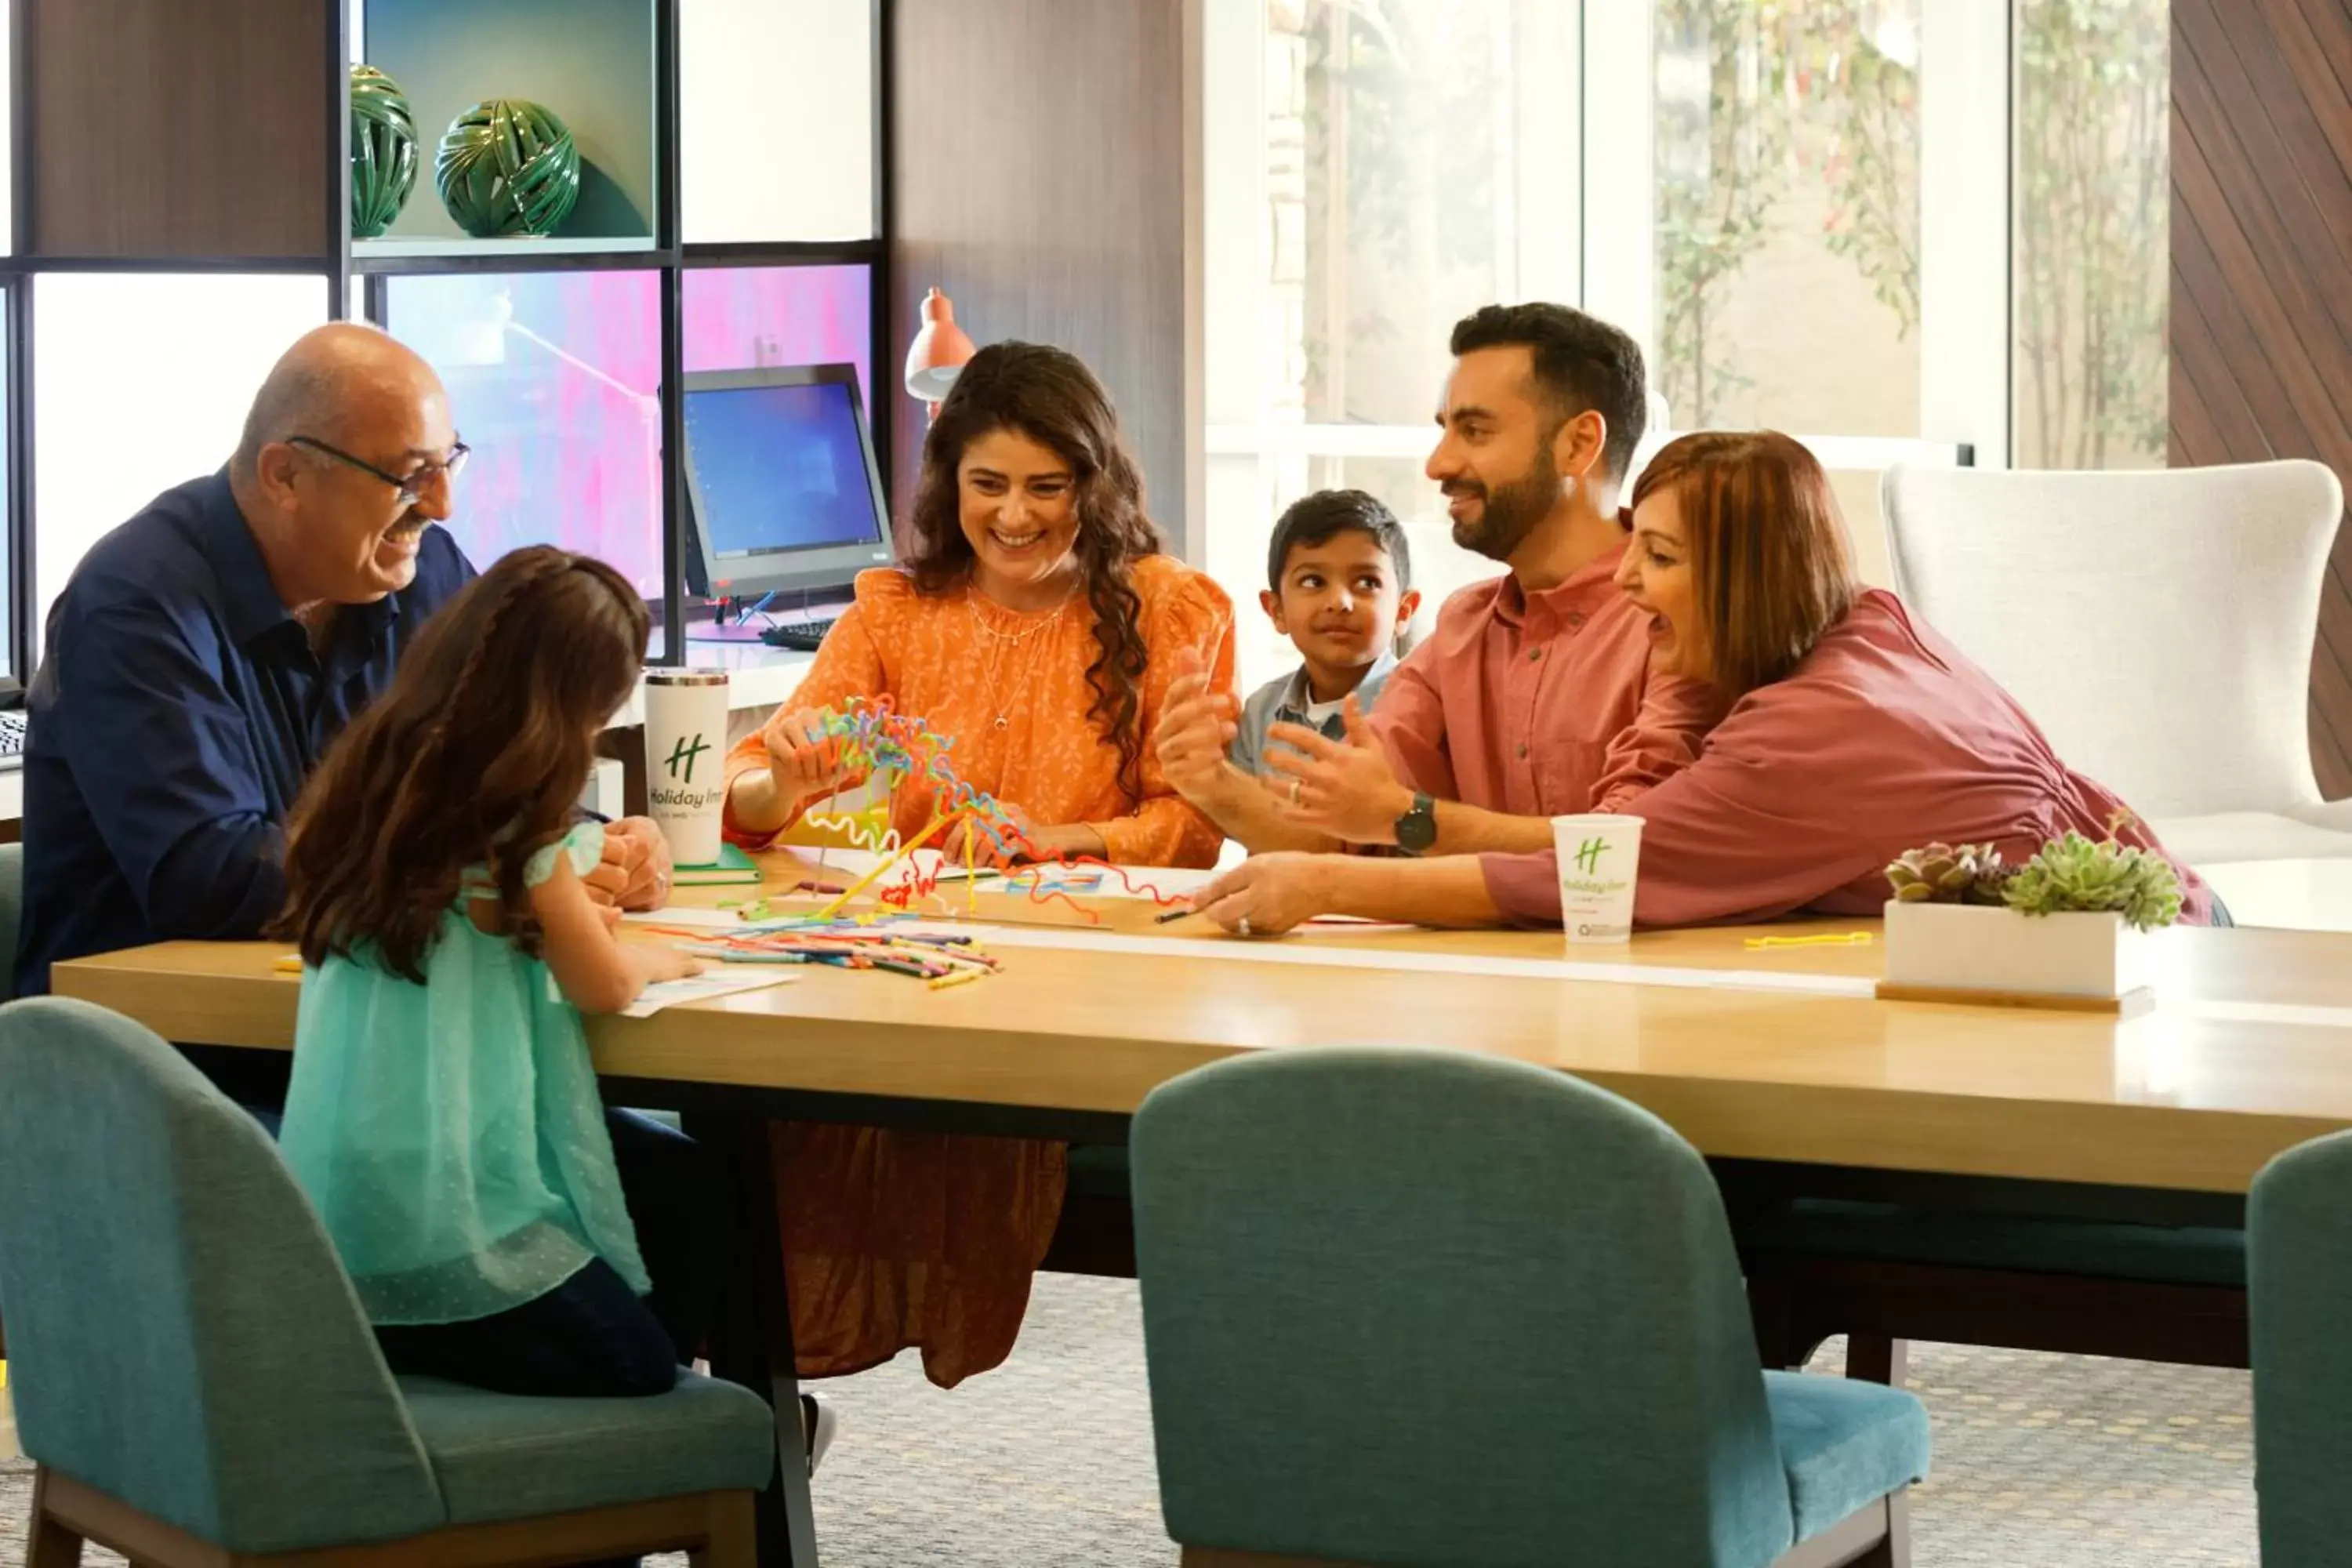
{"x":895,"y":1238}
{"x":1011,"y":688}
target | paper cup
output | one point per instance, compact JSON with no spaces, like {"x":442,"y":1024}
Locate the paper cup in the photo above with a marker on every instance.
{"x":686,"y":760}
{"x":1600,"y":857}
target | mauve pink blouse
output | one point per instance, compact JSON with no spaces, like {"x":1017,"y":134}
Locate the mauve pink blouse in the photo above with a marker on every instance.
{"x":1885,"y":738}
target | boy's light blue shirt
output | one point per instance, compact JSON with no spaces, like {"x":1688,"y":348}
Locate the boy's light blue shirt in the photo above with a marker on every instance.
{"x":1286,"y":701}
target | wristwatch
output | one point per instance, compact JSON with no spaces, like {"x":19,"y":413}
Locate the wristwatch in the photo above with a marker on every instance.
{"x":1416,"y":830}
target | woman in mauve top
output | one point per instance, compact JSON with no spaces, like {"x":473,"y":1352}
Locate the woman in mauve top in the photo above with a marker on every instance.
{"x":1038,"y":623}
{"x":1855,"y":733}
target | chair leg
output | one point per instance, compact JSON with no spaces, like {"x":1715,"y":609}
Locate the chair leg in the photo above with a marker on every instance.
{"x":48,"y":1543}
{"x":1875,"y":1358}
{"x":734,"y":1540}
{"x":1895,"y":1550}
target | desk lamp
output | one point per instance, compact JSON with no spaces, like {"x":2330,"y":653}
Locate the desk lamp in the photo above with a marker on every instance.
{"x":939,"y":350}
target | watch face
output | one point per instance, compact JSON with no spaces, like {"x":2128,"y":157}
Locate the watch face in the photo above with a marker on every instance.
{"x":1416,"y":830}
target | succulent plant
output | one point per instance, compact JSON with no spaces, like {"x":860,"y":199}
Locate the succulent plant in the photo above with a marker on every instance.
{"x":2074,"y":875}
{"x":1943,"y":874}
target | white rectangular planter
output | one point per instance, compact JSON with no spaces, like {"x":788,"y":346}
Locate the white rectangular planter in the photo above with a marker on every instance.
{"x":1967,"y":947}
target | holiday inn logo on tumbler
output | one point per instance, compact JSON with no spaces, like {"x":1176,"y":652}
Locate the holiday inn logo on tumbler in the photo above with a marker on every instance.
{"x":685,"y":746}
{"x":1599,"y":859}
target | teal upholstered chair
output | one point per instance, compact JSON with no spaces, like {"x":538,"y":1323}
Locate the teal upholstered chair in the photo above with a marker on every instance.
{"x":1406,"y":1307}
{"x":194,"y":1378}
{"x":12,"y":913}
{"x":2299,"y":1275}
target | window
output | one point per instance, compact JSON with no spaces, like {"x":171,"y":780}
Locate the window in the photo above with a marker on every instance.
{"x":2093,"y":269}
{"x":141,"y":381}
{"x":1786,"y":226}
{"x":740,"y":318}
{"x":554,"y":380}
{"x":1804,"y":209}
{"x":1374,"y":172}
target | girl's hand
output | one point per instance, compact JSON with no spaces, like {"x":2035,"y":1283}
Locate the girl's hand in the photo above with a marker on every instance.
{"x":803,"y":761}
{"x":672,"y":964}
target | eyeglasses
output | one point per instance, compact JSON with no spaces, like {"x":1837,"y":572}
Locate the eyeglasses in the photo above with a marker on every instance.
{"x":411,"y":485}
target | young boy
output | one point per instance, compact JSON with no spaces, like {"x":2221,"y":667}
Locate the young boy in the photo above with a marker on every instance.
{"x":1340,"y":588}
{"x":1340,"y":583}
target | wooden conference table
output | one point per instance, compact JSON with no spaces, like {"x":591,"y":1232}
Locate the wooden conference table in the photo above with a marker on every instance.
{"x":1776,"y":1054}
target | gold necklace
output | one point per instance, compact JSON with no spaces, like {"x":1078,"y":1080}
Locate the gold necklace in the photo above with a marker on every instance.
{"x":999,"y":640}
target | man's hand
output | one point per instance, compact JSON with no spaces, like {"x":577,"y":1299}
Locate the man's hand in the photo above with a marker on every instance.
{"x":1266,"y":895}
{"x":636,"y":871}
{"x":1344,"y":788}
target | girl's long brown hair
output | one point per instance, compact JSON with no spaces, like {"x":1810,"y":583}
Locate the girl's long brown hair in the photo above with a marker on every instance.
{"x":477,"y":753}
{"x":1050,"y":397}
{"x":1769,"y":568}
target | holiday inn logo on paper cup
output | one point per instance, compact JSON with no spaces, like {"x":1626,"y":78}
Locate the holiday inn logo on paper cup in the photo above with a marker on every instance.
{"x":686,"y":732}
{"x":1600,"y":857}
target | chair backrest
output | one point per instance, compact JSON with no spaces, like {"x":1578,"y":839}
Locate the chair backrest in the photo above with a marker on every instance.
{"x":180,"y":1334}
{"x":12,"y":913}
{"x":2299,"y":1282}
{"x":2158,"y":626}
{"x":1426,"y":1307}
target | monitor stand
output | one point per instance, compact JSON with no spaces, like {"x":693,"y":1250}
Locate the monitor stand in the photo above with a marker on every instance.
{"x":723,"y":631}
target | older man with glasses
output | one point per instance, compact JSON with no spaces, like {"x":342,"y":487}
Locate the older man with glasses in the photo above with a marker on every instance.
{"x":206,"y":653}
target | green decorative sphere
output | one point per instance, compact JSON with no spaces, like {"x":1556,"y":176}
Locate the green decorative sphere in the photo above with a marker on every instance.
{"x":383,"y":152}
{"x":507,"y":170}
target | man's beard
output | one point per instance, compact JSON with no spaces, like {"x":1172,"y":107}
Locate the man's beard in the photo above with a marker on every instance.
{"x":1511,"y":512}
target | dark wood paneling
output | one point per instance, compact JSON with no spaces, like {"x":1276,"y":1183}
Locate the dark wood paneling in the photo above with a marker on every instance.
{"x":1038,"y":178}
{"x":177,"y":128}
{"x":2262,"y":274}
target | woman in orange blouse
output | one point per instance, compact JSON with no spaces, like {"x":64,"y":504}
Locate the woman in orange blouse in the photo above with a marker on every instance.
{"x":1038,"y":624}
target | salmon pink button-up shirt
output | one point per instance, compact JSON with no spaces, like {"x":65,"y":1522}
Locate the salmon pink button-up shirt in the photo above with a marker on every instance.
{"x":1539,"y":704}
{"x":1885,"y":738}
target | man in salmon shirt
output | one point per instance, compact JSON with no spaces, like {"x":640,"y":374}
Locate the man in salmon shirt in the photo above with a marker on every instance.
{"x":1534,"y":698}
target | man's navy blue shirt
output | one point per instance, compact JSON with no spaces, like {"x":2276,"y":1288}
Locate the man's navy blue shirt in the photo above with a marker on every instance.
{"x":178,"y":712}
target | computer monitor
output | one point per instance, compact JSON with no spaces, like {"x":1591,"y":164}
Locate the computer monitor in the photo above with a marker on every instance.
{"x":782,"y":492}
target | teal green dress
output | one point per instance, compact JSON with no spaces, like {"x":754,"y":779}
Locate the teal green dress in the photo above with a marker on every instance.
{"x":450,"y":1134}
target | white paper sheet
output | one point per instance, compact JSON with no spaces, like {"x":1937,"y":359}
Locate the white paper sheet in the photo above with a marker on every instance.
{"x":1127,"y":882}
{"x":718,"y":981}
{"x":688,"y":920}
{"x":1315,"y":954}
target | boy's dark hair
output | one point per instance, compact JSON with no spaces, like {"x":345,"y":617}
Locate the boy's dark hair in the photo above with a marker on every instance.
{"x":479,"y":752}
{"x":1582,"y":364}
{"x":1314,"y":519}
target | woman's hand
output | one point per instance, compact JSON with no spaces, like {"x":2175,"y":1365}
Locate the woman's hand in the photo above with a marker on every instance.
{"x":1196,"y":726}
{"x":1344,"y":788}
{"x":635,"y":847}
{"x":1266,"y":895}
{"x":803,"y":760}
{"x":1023,"y":838}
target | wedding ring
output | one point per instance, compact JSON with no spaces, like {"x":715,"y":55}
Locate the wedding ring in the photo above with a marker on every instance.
{"x":1241,"y":927}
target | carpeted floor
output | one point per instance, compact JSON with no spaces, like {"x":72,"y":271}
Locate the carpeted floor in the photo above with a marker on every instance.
{"x":2041,"y":1461}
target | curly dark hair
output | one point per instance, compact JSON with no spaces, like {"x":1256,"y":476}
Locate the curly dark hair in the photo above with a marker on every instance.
{"x":477,"y":752}
{"x":1048,"y":395}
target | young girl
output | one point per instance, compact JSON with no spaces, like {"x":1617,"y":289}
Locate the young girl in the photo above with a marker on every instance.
{"x":443,"y":1115}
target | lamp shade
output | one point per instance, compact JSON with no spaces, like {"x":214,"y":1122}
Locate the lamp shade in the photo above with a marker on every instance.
{"x":939,"y":350}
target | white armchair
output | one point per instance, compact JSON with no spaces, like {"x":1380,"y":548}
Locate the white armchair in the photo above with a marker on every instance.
{"x":2157,"y":624}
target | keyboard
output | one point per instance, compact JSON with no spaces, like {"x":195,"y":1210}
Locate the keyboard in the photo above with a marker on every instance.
{"x":12,"y":733}
{"x":801,"y":636}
